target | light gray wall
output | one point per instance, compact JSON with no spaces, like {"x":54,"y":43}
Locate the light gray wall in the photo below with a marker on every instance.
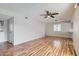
{"x":76,"y":30}
{"x":27,"y":29}
{"x":65,"y":30}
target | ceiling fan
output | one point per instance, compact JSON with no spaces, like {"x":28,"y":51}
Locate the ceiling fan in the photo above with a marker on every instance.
{"x":49,"y":14}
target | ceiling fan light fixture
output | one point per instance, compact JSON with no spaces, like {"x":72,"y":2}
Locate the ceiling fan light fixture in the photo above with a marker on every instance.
{"x":48,"y":16}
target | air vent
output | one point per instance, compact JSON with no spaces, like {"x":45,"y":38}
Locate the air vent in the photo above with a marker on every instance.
{"x":26,"y":17}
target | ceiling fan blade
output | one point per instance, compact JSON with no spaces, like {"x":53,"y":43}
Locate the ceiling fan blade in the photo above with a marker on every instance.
{"x":54,"y":13}
{"x":52,"y":16}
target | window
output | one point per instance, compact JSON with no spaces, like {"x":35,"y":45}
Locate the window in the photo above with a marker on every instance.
{"x":57,"y":27}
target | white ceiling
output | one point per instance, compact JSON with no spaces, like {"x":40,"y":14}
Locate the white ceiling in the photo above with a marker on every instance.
{"x":33,"y":10}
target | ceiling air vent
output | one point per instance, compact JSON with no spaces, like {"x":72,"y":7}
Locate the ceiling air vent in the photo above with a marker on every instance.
{"x":26,"y":17}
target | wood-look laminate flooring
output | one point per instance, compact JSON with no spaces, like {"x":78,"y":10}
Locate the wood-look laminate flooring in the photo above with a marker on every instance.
{"x":5,"y":49}
{"x":48,"y":46}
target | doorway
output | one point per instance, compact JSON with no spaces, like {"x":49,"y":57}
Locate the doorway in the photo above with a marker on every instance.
{"x":10,"y":30}
{"x":7,"y":30}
